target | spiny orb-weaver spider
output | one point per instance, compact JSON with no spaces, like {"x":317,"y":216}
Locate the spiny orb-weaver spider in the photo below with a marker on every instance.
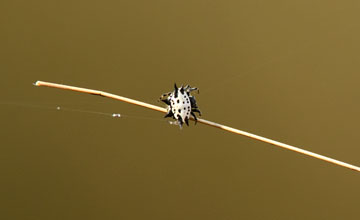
{"x":181,"y":104}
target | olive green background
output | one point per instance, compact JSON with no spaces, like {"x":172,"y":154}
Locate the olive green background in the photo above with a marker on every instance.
{"x":287,"y":70}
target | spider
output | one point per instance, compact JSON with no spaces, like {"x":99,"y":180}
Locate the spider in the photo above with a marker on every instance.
{"x":181,"y":104}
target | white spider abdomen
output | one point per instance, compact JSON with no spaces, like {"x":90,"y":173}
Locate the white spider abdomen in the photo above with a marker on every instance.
{"x":180,"y":105}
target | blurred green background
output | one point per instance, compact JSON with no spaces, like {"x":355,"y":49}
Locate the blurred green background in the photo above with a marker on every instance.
{"x":287,"y":70}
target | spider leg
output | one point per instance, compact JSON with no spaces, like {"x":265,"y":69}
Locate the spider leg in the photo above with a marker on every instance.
{"x":169,"y":114}
{"x":193,"y":89}
{"x":195,"y":118}
{"x":166,"y":101}
{"x":196,"y":110}
{"x":193,"y":101}
{"x":189,"y":89}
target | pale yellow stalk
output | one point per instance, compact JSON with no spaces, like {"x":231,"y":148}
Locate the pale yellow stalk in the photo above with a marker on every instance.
{"x":203,"y":121}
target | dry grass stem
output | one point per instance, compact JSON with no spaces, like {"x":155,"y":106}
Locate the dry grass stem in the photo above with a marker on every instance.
{"x":210,"y":123}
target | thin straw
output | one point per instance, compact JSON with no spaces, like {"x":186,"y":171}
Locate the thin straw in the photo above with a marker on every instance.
{"x":210,"y":123}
